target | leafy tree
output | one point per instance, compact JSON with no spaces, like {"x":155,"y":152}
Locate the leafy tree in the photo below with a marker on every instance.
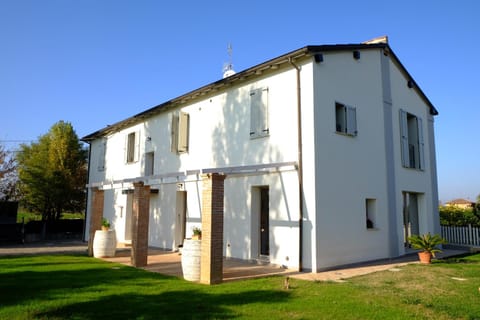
{"x":8,"y":176}
{"x":52,"y":172}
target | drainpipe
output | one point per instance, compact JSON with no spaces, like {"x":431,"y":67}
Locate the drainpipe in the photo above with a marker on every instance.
{"x":300,"y":166}
{"x":86,"y":198}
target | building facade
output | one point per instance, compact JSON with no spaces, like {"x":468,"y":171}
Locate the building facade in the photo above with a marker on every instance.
{"x":328,"y":154}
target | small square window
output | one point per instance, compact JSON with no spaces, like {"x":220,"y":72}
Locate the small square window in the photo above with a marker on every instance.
{"x":346,"y":119}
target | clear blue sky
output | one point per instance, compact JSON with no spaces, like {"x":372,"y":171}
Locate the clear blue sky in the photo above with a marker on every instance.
{"x":95,"y":62}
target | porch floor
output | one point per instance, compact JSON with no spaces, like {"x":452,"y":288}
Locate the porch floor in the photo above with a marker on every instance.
{"x":169,"y":263}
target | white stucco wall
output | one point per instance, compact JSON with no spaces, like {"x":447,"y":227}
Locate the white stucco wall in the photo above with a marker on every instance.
{"x":413,"y":180}
{"x":349,"y":169}
{"x":219,"y":137}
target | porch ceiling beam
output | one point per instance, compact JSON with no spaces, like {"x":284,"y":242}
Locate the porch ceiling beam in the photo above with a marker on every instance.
{"x":182,"y":175}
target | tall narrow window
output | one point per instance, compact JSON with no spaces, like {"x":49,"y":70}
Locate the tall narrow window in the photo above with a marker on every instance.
{"x":101,"y":155}
{"x":132,"y":148}
{"x":259,"y":113}
{"x":371,"y":212}
{"x":180,"y":132}
{"x":346,"y":119}
{"x":412,"y":144}
{"x":149,"y":163}
{"x":183,"y":125}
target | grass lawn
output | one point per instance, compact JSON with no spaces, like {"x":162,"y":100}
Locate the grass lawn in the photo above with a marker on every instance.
{"x":30,"y":216}
{"x":79,"y":287}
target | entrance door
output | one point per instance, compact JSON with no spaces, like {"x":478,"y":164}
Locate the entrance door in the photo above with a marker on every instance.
{"x":264,"y":222}
{"x":181,"y":218}
{"x":410,"y":216}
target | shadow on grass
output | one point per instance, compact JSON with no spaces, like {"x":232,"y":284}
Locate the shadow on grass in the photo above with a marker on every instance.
{"x":43,"y":283}
{"x":188,"y":304}
{"x":467,"y":258}
{"x":81,"y":288}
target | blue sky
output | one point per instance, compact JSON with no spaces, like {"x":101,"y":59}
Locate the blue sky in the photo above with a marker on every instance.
{"x":95,"y":62}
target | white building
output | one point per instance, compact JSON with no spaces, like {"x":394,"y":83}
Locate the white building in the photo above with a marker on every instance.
{"x":328,"y":153}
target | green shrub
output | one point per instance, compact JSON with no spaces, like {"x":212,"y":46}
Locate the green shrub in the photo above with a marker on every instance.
{"x":454,"y":216}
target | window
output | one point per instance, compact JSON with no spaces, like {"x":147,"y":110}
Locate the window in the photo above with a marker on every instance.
{"x":346,"y":119}
{"x":370,"y":209}
{"x":132,"y":147}
{"x":412,"y":145}
{"x":101,"y":155}
{"x":259,"y":113}
{"x":180,"y":132}
{"x":149,"y":163}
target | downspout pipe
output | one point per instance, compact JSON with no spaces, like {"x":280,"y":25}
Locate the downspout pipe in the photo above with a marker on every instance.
{"x":300,"y":166}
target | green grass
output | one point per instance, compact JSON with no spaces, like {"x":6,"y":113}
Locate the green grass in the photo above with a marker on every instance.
{"x":79,"y":287}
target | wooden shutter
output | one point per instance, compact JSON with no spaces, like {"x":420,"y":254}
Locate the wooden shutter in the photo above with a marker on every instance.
{"x":404,"y":139}
{"x":132,"y":147}
{"x":125,"y":148}
{"x":174,"y":134}
{"x":101,"y":155}
{"x":136,"y":147}
{"x":183,"y":125}
{"x":351,"y":118}
{"x":259,"y":113}
{"x":421,"y":144}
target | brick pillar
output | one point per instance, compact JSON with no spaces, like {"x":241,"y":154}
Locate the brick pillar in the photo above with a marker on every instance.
{"x":96,"y":215}
{"x":141,"y":213}
{"x":211,"y":262}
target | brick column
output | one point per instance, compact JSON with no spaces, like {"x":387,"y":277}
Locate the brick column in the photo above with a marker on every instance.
{"x":211,"y":262}
{"x":141,"y":214}
{"x":96,"y":215}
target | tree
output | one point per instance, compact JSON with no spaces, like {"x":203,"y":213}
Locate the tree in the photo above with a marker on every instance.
{"x":53,"y":172}
{"x":8,"y":176}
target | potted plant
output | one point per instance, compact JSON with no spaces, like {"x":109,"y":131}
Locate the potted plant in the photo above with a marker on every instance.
{"x":427,"y":243}
{"x":105,"y":224}
{"x":197,"y":233}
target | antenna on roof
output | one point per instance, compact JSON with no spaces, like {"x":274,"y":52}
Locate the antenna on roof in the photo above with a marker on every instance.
{"x":228,"y":66}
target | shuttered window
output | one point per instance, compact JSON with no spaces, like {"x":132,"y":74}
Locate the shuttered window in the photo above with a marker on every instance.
{"x":180,"y":132}
{"x":259,"y":113}
{"x":101,"y":155}
{"x":132,"y":147}
{"x":346,"y":119}
{"x":411,"y":141}
{"x":183,"y":125}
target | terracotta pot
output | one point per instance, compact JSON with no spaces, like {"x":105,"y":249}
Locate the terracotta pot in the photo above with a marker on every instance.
{"x":425,"y":257}
{"x":105,"y":228}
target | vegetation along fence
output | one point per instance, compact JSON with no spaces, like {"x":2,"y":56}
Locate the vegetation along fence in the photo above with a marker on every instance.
{"x":466,"y":235}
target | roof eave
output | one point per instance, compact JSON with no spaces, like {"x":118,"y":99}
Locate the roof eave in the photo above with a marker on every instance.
{"x":255,"y":70}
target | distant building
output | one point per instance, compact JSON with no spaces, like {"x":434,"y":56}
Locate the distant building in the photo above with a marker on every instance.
{"x":327,"y":152}
{"x":460,"y":203}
